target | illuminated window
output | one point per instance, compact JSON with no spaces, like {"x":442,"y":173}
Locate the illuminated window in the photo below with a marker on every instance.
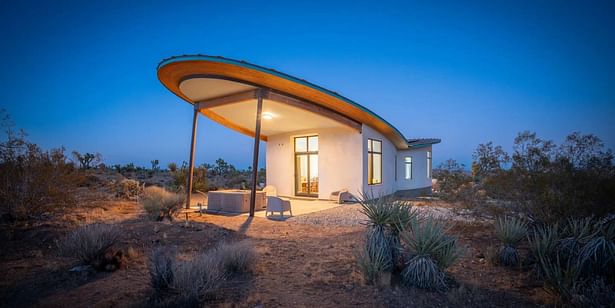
{"x":374,"y":161}
{"x":408,"y":164}
{"x":429,"y":164}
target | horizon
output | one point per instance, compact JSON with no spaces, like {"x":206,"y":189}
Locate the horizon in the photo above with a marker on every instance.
{"x":467,"y":75}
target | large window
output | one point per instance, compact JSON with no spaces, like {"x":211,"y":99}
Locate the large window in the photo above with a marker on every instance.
{"x":374,"y":161}
{"x":408,"y":165}
{"x":306,"y":166}
{"x":429,"y":164}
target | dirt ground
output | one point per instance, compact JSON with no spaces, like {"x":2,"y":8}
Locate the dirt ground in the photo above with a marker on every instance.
{"x":300,"y":264}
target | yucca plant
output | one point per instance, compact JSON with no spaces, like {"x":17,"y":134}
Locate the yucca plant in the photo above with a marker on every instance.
{"x":374,"y":259}
{"x":509,"y":230}
{"x":430,"y":250}
{"x":380,"y":214}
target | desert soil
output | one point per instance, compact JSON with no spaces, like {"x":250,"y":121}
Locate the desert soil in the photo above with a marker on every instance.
{"x":305,"y":261}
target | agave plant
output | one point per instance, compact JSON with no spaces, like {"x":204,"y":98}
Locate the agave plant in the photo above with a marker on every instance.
{"x":430,"y":250}
{"x":510,"y":231}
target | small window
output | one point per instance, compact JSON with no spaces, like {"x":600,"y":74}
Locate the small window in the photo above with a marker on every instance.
{"x":429,"y":164}
{"x":408,"y":165}
{"x":374,"y":161}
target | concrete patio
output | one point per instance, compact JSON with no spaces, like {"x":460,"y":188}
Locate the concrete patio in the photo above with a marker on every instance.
{"x":300,"y":206}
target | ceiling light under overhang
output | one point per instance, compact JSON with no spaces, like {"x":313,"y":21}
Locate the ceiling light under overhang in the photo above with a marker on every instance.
{"x":267,"y":115}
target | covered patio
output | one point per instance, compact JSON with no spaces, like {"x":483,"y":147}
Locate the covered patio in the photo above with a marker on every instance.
{"x":300,"y":206}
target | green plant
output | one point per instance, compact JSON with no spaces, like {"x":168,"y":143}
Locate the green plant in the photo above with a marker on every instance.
{"x":510,"y":231}
{"x":89,"y":243}
{"x":573,"y":257}
{"x":430,"y":250}
{"x":379,"y":238}
{"x":160,"y":203}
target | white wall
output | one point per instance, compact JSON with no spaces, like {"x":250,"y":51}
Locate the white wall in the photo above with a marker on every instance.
{"x":388,"y":185}
{"x":339,"y":161}
{"x":419,"y":169}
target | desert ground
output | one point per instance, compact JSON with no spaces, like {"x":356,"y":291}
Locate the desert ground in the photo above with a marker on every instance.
{"x":303,"y":261}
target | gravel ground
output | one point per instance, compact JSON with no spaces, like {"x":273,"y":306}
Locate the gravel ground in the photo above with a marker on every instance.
{"x":350,"y":215}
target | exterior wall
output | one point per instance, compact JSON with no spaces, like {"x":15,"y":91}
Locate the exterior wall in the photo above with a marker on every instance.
{"x":419,"y":169}
{"x":388,"y":185}
{"x":339,"y":161}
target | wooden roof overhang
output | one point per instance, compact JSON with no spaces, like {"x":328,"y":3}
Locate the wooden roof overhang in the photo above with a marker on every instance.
{"x":274,"y":86}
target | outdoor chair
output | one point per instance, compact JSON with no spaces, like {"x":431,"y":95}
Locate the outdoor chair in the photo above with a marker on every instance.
{"x":341,"y":196}
{"x":277,"y":204}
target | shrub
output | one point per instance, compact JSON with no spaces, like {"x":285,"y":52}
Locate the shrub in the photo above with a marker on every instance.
{"x":380,"y":213}
{"x":180,"y":179}
{"x":32,"y":181}
{"x":128,"y":189}
{"x":160,"y":203}
{"x":236,"y":257}
{"x":374,"y":258}
{"x":191,"y":282}
{"x":90,"y":243}
{"x":510,"y":231}
{"x":430,"y":251}
{"x":572,"y":258}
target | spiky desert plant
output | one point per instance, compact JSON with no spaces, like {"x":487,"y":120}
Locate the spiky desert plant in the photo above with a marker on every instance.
{"x":430,"y":250}
{"x":379,"y":211}
{"x":403,"y":214}
{"x":510,"y":230}
{"x":575,"y":233}
{"x":544,"y":241}
{"x":597,"y":256}
{"x":374,"y":259}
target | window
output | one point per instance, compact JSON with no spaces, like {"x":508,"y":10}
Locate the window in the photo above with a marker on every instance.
{"x":429,"y":164}
{"x":306,"y":166}
{"x":374,"y":161}
{"x":408,"y":164}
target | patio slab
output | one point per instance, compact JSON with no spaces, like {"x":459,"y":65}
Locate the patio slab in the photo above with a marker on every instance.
{"x":300,"y":206}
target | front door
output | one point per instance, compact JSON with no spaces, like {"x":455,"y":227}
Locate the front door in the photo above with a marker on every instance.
{"x":306,"y":166}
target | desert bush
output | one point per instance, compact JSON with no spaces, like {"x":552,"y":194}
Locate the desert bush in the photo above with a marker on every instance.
{"x":160,"y":203}
{"x":190,"y":282}
{"x":572,"y":257}
{"x":128,"y":189}
{"x":451,"y":177}
{"x":180,"y":179}
{"x":90,"y":243}
{"x":510,"y":231}
{"x":32,"y":181}
{"x":430,"y":250}
{"x":236,"y":257}
{"x":549,"y":183}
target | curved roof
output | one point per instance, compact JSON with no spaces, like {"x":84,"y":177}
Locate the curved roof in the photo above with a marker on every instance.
{"x":173,"y":71}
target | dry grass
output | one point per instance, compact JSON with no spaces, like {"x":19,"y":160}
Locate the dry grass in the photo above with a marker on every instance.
{"x":160,"y":203}
{"x":90,"y":242}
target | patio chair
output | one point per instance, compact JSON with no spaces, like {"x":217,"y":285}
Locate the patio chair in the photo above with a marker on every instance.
{"x":277,"y":204}
{"x":342,"y":196}
{"x":270,"y":191}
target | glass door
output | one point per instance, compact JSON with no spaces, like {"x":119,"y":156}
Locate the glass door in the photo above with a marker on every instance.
{"x":306,"y":166}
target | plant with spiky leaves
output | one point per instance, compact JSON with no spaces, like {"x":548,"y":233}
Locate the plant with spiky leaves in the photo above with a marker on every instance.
{"x":378,"y":244}
{"x":430,"y":250}
{"x":510,"y":230}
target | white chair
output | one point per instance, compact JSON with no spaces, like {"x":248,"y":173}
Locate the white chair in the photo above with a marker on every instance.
{"x":277,"y":204}
{"x":270,"y":191}
{"x":342,"y":196}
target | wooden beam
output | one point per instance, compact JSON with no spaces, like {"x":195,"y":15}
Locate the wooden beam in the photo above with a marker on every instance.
{"x":225,"y":122}
{"x":314,"y":108}
{"x":195,"y":118}
{"x":259,"y":111}
{"x":228,"y":99}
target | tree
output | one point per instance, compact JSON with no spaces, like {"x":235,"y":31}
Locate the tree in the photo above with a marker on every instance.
{"x":87,"y":160}
{"x":532,"y":153}
{"x":488,"y":160}
{"x":155,"y":165}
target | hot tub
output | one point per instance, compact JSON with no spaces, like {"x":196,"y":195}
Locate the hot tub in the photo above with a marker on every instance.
{"x":234,"y":201}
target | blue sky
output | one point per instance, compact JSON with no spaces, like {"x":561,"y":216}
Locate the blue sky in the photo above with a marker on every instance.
{"x":82,"y":74}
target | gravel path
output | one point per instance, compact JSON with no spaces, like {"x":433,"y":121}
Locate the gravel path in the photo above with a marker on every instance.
{"x":350,"y":215}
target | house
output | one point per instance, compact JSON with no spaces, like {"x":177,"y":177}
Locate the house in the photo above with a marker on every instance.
{"x":317,"y":141}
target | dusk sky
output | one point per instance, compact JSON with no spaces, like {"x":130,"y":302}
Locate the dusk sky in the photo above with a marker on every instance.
{"x":82,"y":74}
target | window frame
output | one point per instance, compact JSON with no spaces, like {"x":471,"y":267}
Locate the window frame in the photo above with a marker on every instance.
{"x":406,"y":163}
{"x":370,"y":162}
{"x":308,"y":153}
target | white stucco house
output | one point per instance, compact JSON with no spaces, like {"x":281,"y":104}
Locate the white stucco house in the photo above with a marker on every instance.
{"x":317,"y":141}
